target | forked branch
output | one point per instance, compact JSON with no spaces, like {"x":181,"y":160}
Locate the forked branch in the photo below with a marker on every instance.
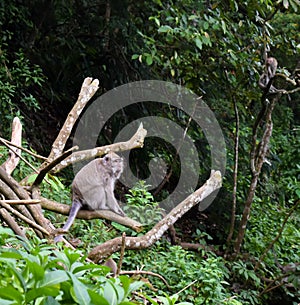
{"x":134,"y":243}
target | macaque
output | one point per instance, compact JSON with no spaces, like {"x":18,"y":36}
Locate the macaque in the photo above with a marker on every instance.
{"x":112,"y":265}
{"x":93,"y":187}
{"x":268,"y":74}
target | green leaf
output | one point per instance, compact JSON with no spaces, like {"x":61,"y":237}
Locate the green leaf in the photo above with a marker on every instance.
{"x":79,"y":291}
{"x":10,"y":293}
{"x":205,"y":25}
{"x":53,"y":278}
{"x":97,"y":298}
{"x":149,"y":60}
{"x":6,"y":302}
{"x":91,"y":267}
{"x":223,"y":27}
{"x":135,"y":56}
{"x":110,"y":293}
{"x":36,"y":269}
{"x":150,"y":300}
{"x":206,"y":39}
{"x":155,"y":19}
{"x":164,"y":29}
{"x":31,"y":178}
{"x":10,"y":253}
{"x":295,"y":4}
{"x":130,"y":286}
{"x":50,"y":301}
{"x":35,"y":293}
{"x":198,"y":43}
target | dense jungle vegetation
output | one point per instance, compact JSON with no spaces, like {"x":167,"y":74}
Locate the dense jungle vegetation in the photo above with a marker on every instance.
{"x":245,"y":247}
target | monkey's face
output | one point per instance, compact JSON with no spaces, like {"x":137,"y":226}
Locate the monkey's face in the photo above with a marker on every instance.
{"x":115,"y":163}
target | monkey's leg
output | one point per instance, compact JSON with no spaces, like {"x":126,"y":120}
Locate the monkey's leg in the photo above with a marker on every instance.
{"x":76,"y":206}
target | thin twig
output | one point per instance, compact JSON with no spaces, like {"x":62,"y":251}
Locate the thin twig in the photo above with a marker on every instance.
{"x":51,"y":165}
{"x":24,"y":218}
{"x":18,"y":155}
{"x":22,"y":148}
{"x":122,"y":252}
{"x":137,"y":272}
{"x":186,"y":287}
{"x":277,"y":236}
{"x":21,"y":201}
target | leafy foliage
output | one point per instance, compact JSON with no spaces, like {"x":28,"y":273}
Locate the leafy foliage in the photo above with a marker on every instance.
{"x":17,"y":76}
{"x":141,"y":206}
{"x":215,"y":48}
{"x":33,"y":272}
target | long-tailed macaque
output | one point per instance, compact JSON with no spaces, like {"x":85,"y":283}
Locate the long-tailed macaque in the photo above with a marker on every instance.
{"x":268,"y":74}
{"x":93,"y":187}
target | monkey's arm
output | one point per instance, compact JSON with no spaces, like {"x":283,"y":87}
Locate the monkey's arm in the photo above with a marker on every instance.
{"x":111,"y":202}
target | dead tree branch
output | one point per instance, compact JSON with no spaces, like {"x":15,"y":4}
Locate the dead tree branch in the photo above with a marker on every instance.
{"x":22,"y":217}
{"x":64,"y":209}
{"x":88,"y":89}
{"x":11,"y":222}
{"x":47,"y":168}
{"x":136,"y":141}
{"x":19,"y":201}
{"x":23,"y":149}
{"x":16,"y":137}
{"x":106,"y":249}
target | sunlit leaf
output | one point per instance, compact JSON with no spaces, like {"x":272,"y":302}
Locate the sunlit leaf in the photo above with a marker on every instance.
{"x":198,"y":43}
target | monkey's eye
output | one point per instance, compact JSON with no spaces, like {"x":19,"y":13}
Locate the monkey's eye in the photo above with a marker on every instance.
{"x":106,"y":158}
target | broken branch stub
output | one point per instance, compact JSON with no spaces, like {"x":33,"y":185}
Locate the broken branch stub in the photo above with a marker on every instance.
{"x":16,"y":138}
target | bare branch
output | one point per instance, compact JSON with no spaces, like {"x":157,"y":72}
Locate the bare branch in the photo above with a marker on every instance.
{"x":136,"y":141}
{"x":88,"y":89}
{"x":287,"y":79}
{"x":141,"y":242}
{"x":137,"y":272}
{"x":85,"y":214}
{"x":47,"y":168}
{"x":122,"y":252}
{"x":258,"y":155}
{"x":22,"y":148}
{"x":11,"y":222}
{"x":16,"y":137}
{"x":13,"y":184}
{"x":19,"y":156}
{"x":22,"y":217}
{"x":19,"y":201}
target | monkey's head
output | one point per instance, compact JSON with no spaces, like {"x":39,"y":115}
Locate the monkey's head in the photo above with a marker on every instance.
{"x":271,"y":64}
{"x":115,"y":163}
